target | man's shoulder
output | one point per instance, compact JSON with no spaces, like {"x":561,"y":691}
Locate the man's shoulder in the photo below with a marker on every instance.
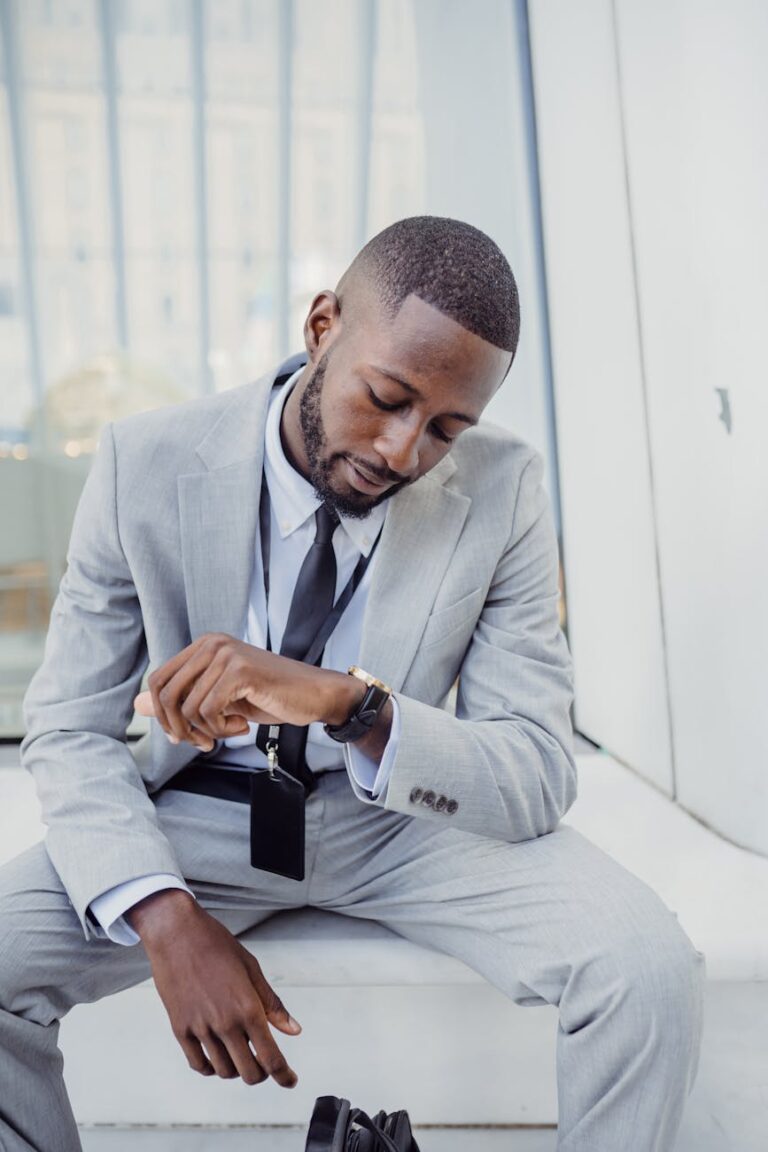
{"x":177,"y":421}
{"x":488,"y":455}
{"x":174,"y":434}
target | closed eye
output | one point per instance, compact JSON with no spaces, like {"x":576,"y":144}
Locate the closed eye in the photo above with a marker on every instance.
{"x":379,"y":403}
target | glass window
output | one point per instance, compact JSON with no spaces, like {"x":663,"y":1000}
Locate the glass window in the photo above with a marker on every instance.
{"x":395,"y":108}
{"x":156,"y":134}
{"x":65,"y":142}
{"x":242,"y":68}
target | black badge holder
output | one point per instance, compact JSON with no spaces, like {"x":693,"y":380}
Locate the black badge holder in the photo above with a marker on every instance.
{"x":277,"y":817}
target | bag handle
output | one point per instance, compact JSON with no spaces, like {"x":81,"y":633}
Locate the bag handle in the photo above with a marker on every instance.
{"x":382,"y":1142}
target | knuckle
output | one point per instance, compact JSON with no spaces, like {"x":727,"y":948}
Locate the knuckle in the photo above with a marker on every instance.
{"x":255,"y":1076}
{"x":273,"y":1063}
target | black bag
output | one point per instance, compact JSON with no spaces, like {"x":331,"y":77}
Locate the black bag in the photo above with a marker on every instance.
{"x":338,"y":1127}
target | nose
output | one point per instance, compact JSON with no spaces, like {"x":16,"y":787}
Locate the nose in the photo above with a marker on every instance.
{"x":399,"y":445}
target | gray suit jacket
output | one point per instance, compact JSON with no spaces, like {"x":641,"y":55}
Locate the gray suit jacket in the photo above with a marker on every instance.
{"x":464,"y":584}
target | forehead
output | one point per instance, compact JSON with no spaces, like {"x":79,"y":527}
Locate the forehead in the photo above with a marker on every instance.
{"x":423,"y":346}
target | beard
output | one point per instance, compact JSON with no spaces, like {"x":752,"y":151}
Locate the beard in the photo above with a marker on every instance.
{"x":355,"y":505}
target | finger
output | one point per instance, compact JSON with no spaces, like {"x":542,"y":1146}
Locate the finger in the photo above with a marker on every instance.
{"x":199,"y":654}
{"x":245,"y":711}
{"x":200,"y":711}
{"x":275,"y":1011}
{"x":174,"y":693}
{"x":248,"y":1067}
{"x":196,"y":1058}
{"x":219,"y":698}
{"x":268,"y":1055}
{"x":219,"y":1057}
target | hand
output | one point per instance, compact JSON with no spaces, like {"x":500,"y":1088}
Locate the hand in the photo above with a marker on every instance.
{"x":218,"y":1001}
{"x":212,"y":688}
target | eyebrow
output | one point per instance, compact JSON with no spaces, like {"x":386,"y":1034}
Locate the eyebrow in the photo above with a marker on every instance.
{"x":415,"y":392}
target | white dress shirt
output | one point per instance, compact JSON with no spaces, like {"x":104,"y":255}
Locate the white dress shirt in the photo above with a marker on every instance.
{"x":293,"y":504}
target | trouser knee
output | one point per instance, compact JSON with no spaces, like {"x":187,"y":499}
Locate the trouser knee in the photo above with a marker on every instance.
{"x":662,"y":978}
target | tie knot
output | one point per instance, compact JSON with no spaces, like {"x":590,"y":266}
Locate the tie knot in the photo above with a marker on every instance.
{"x":326,"y":521}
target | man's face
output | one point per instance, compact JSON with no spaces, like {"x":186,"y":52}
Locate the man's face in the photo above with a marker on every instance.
{"x":387,"y":399}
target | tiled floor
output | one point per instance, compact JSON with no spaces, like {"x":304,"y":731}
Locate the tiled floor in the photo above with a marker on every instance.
{"x":292,"y":1140}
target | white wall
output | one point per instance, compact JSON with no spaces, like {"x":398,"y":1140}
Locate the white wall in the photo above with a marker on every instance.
{"x":478,"y":168}
{"x":697,"y":153}
{"x":614,"y":611}
{"x":657,"y":244}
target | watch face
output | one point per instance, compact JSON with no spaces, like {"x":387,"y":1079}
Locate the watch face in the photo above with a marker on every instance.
{"x":371,"y":681}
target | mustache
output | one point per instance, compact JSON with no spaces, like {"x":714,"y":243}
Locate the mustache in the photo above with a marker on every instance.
{"x":383,"y":474}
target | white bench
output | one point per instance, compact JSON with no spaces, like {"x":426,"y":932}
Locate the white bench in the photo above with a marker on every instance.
{"x":389,"y":1023}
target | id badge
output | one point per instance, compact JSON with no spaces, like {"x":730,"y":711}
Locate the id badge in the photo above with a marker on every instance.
{"x":277,"y":823}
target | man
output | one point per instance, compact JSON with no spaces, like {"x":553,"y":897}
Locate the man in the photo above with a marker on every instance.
{"x":211,"y":542}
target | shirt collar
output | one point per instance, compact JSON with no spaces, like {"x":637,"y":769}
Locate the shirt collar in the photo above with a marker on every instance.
{"x":293,"y":498}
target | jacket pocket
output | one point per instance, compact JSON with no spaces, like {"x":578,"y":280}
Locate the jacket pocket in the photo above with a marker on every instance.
{"x":446,"y":621}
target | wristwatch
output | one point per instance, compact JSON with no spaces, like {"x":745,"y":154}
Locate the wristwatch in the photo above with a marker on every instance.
{"x":364,"y":716}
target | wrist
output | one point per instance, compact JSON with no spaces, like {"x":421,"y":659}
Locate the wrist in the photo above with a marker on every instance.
{"x":160,"y":914}
{"x":345,"y":694}
{"x":367,"y":711}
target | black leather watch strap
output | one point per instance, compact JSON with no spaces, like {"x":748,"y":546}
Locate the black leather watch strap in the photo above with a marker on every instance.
{"x":364,"y":716}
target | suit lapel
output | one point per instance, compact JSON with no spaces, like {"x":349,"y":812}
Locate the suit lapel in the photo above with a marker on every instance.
{"x":418,"y":539}
{"x":219,"y":512}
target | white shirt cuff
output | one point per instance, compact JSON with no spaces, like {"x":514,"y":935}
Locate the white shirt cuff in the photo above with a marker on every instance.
{"x":110,"y":908}
{"x":367,"y":774}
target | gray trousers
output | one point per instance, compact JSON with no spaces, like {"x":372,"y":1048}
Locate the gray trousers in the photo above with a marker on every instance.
{"x":548,"y":921}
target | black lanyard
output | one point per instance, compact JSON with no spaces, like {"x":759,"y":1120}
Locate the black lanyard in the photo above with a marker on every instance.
{"x":315,"y":652}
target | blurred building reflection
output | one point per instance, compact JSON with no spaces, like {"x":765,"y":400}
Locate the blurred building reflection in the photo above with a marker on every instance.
{"x":177,"y":179}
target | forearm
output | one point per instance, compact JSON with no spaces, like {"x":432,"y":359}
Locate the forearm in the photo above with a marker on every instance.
{"x":508,"y":778}
{"x":100,"y":819}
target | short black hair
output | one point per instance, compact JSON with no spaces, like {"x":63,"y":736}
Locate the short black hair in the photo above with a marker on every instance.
{"x":451,"y":265}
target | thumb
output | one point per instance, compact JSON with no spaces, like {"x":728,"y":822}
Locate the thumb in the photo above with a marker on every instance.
{"x":275,"y":1011}
{"x":143,"y":704}
{"x":280,"y":1018}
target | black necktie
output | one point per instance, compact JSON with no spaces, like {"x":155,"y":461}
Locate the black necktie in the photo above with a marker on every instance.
{"x":312,"y":601}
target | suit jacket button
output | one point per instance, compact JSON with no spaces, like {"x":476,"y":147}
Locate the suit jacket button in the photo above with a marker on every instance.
{"x":428,"y":798}
{"x":440,"y":803}
{"x":416,"y":795}
{"x":451,"y":807}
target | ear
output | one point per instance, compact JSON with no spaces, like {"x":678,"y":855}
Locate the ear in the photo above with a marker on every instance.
{"x":322,"y":324}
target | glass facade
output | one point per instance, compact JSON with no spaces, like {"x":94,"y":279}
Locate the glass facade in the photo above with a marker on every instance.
{"x":178,"y":178}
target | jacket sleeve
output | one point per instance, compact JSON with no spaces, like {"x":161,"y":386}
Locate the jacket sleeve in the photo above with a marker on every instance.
{"x":503,"y":765}
{"x":102,"y":825}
